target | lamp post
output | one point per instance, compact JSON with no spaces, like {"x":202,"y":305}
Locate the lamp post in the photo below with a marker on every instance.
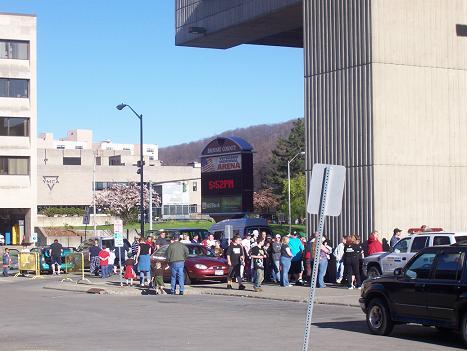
{"x":140,"y":164}
{"x":288,"y":180}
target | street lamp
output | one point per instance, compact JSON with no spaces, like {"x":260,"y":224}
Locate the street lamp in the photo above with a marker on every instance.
{"x":140,"y":164}
{"x":288,"y":179}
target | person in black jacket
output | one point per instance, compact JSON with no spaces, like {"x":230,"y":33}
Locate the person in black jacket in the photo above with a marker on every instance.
{"x":352,"y":254}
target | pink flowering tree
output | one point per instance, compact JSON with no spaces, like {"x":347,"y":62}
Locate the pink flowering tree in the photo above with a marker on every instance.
{"x":264,"y":201}
{"x":122,"y":200}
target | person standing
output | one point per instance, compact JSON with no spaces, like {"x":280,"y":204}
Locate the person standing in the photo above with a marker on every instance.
{"x":352,"y":254}
{"x":176,"y":256}
{"x":55,"y":252}
{"x":6,"y":262}
{"x":195,"y":239}
{"x":258,"y":255}
{"x":275,"y":254}
{"x":296,"y":247}
{"x":324,"y":252}
{"x":143,"y":260}
{"x":396,"y":236}
{"x":286,"y":259}
{"x":339,"y":255}
{"x":94,"y":263}
{"x":374,"y":245}
{"x":235,"y":260}
{"x":104,"y":261}
{"x":161,"y":240}
{"x":246,"y":244}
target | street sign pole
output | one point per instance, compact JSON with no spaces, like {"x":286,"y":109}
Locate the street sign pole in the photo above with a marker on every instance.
{"x":311,"y":298}
{"x":325,"y":199}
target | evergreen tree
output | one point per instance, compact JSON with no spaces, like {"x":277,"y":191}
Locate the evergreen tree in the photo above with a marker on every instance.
{"x":285,"y":150}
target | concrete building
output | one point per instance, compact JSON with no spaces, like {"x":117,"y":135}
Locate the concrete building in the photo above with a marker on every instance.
{"x":385,"y":96}
{"x":65,"y":173}
{"x":18,"y":192}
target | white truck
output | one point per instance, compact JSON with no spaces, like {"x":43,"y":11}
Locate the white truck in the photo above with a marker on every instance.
{"x":384,"y":263}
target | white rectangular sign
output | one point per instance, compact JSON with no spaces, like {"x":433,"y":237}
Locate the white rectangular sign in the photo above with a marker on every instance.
{"x":335,"y":189}
{"x":34,"y":237}
{"x":118,"y":238}
{"x":221,"y":163}
{"x":118,"y":226}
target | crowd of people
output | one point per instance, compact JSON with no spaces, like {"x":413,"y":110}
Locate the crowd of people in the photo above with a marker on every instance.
{"x":257,"y":257}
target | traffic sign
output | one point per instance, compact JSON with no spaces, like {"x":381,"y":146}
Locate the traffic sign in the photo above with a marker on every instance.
{"x":34,"y":237}
{"x":118,"y":226}
{"x":118,"y":238}
{"x":334,"y":189}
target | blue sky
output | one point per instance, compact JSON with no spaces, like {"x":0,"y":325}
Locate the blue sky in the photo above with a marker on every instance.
{"x":92,"y":55}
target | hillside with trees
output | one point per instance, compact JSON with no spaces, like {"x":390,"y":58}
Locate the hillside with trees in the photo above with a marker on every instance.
{"x":263,"y":138}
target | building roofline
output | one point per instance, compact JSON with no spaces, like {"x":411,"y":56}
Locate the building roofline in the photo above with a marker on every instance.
{"x":18,"y":14}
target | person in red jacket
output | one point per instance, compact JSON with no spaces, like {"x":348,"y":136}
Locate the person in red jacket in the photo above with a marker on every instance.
{"x":374,"y":245}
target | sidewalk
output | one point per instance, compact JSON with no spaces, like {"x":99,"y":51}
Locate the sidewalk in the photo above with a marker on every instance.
{"x":332,"y":295}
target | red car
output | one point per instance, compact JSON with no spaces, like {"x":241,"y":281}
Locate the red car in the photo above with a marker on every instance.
{"x":201,"y":264}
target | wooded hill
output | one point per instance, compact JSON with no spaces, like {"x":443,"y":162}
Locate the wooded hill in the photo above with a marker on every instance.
{"x":262,"y":137}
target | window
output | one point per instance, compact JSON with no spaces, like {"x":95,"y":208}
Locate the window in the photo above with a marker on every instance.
{"x":419,"y":243}
{"x":12,"y":165}
{"x":78,"y":147}
{"x":421,"y":267}
{"x":441,"y":240}
{"x":402,"y":246}
{"x":72,"y":161}
{"x":12,"y":126}
{"x":98,"y":161}
{"x":61,"y":147}
{"x":449,"y":266}
{"x":115,"y":161}
{"x":195,"y":186}
{"x":16,"y":88}
{"x":460,"y":239}
{"x":14,"y":49}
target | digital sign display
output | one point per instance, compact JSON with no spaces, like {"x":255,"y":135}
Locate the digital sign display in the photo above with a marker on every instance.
{"x":225,"y":183}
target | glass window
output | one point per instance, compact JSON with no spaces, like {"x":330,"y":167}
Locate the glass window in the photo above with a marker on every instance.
{"x":460,"y":239}
{"x":12,"y":126}
{"x":72,"y":161}
{"x":195,"y":186}
{"x":402,"y":246}
{"x":115,"y":161}
{"x":16,"y":88}
{"x":441,"y":240}
{"x":421,"y":267}
{"x":11,"y":165}
{"x":419,"y":243}
{"x":449,"y":266}
{"x":14,"y":49}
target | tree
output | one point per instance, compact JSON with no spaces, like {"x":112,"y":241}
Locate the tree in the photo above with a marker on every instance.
{"x":264,"y":201}
{"x":285,"y":150}
{"x":297,"y":196}
{"x":122,"y":200}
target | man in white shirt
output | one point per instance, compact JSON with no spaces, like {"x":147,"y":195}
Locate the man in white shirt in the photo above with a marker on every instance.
{"x":339,"y":255}
{"x":246,"y":243}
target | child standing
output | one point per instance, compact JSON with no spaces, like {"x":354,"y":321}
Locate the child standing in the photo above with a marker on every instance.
{"x":129,"y":271}
{"x":159,"y":279}
{"x":6,"y":262}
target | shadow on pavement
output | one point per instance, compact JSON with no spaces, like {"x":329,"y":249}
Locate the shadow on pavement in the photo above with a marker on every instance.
{"x":417,"y":333}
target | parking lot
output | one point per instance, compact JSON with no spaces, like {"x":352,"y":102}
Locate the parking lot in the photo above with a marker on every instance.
{"x":44,"y":319}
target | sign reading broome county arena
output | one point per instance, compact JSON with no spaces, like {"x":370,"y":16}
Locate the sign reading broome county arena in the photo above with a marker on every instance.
{"x":227,"y":177}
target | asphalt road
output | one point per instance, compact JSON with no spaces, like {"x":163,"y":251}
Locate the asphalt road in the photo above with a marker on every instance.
{"x":32,"y":318}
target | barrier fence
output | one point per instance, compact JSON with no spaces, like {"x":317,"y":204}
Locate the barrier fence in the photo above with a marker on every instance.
{"x":74,"y":264}
{"x":29,"y":262}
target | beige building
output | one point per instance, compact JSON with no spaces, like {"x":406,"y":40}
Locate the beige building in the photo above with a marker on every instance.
{"x":18,"y":120}
{"x":385,"y":96}
{"x":65,"y":173}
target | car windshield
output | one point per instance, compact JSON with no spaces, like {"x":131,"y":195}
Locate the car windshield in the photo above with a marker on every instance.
{"x":461,"y":239}
{"x":198,"y":250}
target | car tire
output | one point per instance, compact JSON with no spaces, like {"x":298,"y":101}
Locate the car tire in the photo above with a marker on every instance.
{"x":463,"y":328}
{"x":373,"y":272}
{"x":187,"y":279}
{"x":378,"y":318}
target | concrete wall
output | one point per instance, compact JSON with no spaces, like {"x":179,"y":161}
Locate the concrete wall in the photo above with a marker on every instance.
{"x":420,"y":113}
{"x":73,"y":221}
{"x":20,"y":192}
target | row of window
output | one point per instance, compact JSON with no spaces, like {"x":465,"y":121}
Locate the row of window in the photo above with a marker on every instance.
{"x":14,"y":126}
{"x":14,"y":165}
{"x":448,"y":266}
{"x":15,"y":88}
{"x":14,"y":49}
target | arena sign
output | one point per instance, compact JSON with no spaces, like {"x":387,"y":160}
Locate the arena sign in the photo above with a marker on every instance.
{"x":227,"y":178}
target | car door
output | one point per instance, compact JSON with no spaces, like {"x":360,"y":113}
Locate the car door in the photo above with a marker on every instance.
{"x":443,"y":290}
{"x":397,"y":258}
{"x":407,"y":292}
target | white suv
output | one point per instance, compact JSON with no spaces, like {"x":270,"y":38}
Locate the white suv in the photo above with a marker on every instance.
{"x":386,"y":262}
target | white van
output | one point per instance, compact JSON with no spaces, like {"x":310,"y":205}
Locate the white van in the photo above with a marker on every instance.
{"x":241,"y":226}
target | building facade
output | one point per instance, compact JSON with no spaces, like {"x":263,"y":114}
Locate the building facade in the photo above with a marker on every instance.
{"x":68,"y":167}
{"x":385,"y":88}
{"x":18,"y":120}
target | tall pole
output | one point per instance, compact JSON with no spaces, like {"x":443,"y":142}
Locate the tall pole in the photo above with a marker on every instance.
{"x":94,"y":192}
{"x":290,"y":206}
{"x":150,"y":205}
{"x":141,"y":183}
